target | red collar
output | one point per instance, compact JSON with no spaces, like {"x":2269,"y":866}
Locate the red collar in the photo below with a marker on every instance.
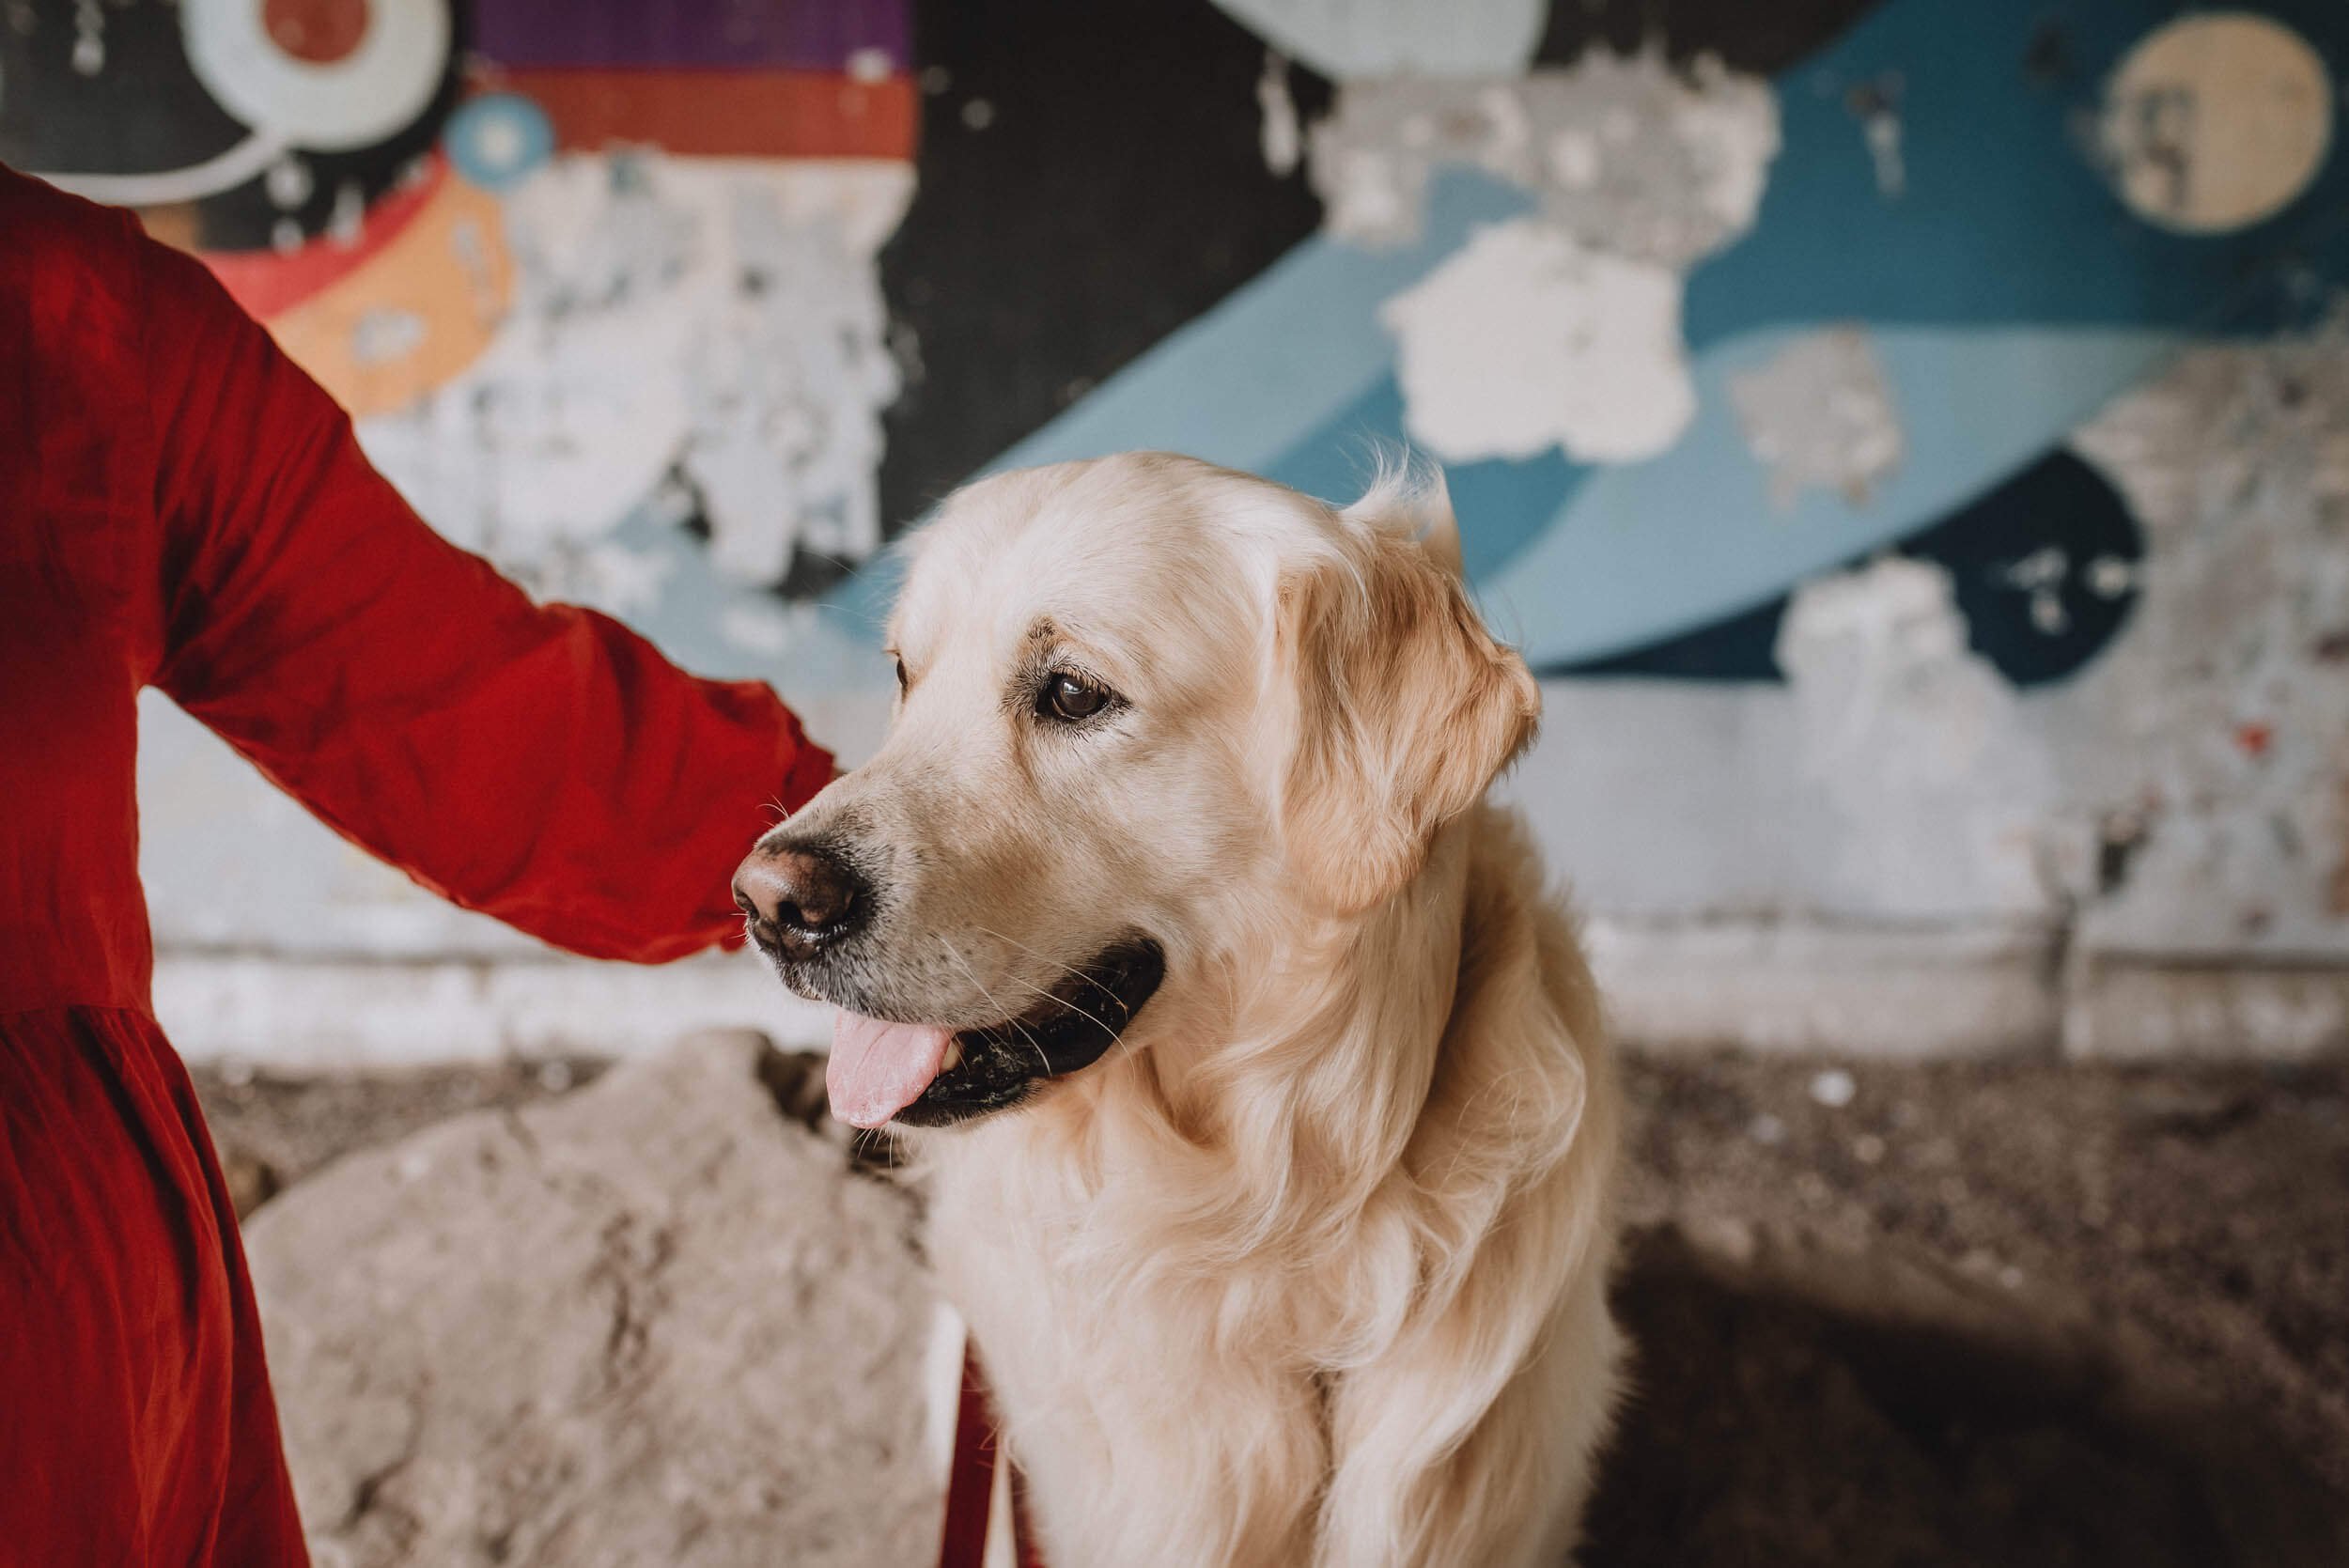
{"x":970,"y":1481}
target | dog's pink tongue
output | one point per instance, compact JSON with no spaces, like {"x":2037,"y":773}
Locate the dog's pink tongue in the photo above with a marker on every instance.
{"x":877,"y":1069}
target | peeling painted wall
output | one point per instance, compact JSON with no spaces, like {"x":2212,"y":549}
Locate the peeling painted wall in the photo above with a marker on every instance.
{"x":1910,"y":437}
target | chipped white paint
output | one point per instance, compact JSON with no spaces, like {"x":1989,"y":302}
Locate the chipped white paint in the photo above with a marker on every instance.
{"x":618,"y":580}
{"x":760,"y":629}
{"x":89,"y":37}
{"x":1365,"y":192}
{"x":720,"y":319}
{"x":386,"y":333}
{"x":2223,"y":727}
{"x":2041,"y":576}
{"x":1573,"y":158}
{"x":1914,"y":740}
{"x":1820,"y":414}
{"x":1623,"y":152}
{"x":1353,"y":38}
{"x":289,"y":181}
{"x":1726,"y":125}
{"x":1284,"y":133}
{"x":1525,"y":338}
{"x":1883,"y":131}
{"x":2215,"y":121}
{"x":1878,"y":105}
{"x":2110,"y":577}
{"x":1563,"y":328}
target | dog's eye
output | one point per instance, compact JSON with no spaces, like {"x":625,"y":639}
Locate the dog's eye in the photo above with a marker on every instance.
{"x":901,"y":677}
{"x":1070,"y":699}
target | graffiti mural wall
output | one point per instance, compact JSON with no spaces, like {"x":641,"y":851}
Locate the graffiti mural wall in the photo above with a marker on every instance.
{"x":1911,"y":437}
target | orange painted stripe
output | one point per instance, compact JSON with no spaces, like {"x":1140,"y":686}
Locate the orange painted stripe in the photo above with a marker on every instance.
{"x":726,"y":113}
{"x":268,"y":282}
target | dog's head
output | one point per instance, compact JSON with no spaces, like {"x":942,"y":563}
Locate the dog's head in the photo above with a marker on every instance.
{"x":1152,"y":714}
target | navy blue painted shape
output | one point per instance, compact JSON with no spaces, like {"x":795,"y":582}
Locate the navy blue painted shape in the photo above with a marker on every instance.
{"x":2057,"y":503}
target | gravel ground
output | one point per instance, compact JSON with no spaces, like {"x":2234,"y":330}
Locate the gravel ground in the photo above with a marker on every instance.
{"x":2011,"y":1312}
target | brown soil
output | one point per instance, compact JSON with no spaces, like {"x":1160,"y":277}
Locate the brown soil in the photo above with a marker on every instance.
{"x":2000,"y":1314}
{"x":2011,"y":1313}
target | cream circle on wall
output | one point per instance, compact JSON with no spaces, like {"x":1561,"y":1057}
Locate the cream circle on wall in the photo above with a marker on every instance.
{"x":2215,"y":122}
{"x":324,"y":88}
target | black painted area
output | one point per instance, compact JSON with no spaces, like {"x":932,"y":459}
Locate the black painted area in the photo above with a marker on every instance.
{"x":2058,"y":501}
{"x":1764,"y":37}
{"x":144,"y":112}
{"x":243,"y":219}
{"x":1118,"y":190}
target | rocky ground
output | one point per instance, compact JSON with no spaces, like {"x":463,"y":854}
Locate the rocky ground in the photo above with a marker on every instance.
{"x":2014,"y":1314}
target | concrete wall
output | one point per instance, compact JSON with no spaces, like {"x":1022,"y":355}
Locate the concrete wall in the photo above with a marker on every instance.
{"x":1911,"y":437}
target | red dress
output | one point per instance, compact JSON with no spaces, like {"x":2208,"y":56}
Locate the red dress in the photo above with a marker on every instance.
{"x":182,"y":507}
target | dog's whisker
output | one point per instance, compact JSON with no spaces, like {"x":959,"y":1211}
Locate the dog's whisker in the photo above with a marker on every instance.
{"x":1007,"y":937}
{"x":1042,"y":1061}
{"x":1117,"y":1037}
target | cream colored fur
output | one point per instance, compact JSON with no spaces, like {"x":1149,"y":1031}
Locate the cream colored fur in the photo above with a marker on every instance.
{"x":1311,"y":1269}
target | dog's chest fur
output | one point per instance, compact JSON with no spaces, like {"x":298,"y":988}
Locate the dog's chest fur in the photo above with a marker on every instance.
{"x":1136,"y":1404}
{"x":1337,"y":1391}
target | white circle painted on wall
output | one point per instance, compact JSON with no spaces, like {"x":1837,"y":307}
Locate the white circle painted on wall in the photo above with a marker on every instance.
{"x":326,"y":76}
{"x":2213,"y":123}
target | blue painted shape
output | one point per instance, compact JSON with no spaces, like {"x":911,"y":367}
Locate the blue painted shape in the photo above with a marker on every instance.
{"x":1644,"y":550}
{"x":2058,"y":501}
{"x":2003,"y":218}
{"x":496,"y":139}
{"x":1584,"y":562}
{"x":1502,"y":504}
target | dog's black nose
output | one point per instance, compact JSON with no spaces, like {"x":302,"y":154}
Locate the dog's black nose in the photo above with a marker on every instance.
{"x":802,"y":898}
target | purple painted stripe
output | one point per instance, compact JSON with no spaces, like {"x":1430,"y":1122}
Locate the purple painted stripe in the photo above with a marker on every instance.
{"x":803,"y":34}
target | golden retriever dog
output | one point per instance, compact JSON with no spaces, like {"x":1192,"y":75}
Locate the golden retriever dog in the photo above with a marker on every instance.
{"x":1258,"y":1085}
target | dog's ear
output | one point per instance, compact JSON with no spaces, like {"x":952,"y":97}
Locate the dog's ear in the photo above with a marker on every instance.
{"x":1407,"y":710}
{"x":1439,"y":528}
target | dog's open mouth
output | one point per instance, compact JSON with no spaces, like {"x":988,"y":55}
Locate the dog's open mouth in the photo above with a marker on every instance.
{"x":927,"y":1076}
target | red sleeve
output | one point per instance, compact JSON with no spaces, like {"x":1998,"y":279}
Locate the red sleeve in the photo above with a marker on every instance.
{"x":541,"y":764}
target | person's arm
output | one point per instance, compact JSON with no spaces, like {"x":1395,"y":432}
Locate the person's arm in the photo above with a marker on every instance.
{"x":541,"y":764}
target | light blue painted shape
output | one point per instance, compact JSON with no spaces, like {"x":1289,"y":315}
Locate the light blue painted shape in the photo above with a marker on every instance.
{"x":498,"y":139}
{"x":1643,"y":551}
{"x":1355,"y":39}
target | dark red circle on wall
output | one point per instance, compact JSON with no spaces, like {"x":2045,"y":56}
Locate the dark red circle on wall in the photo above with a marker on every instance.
{"x":318,"y":31}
